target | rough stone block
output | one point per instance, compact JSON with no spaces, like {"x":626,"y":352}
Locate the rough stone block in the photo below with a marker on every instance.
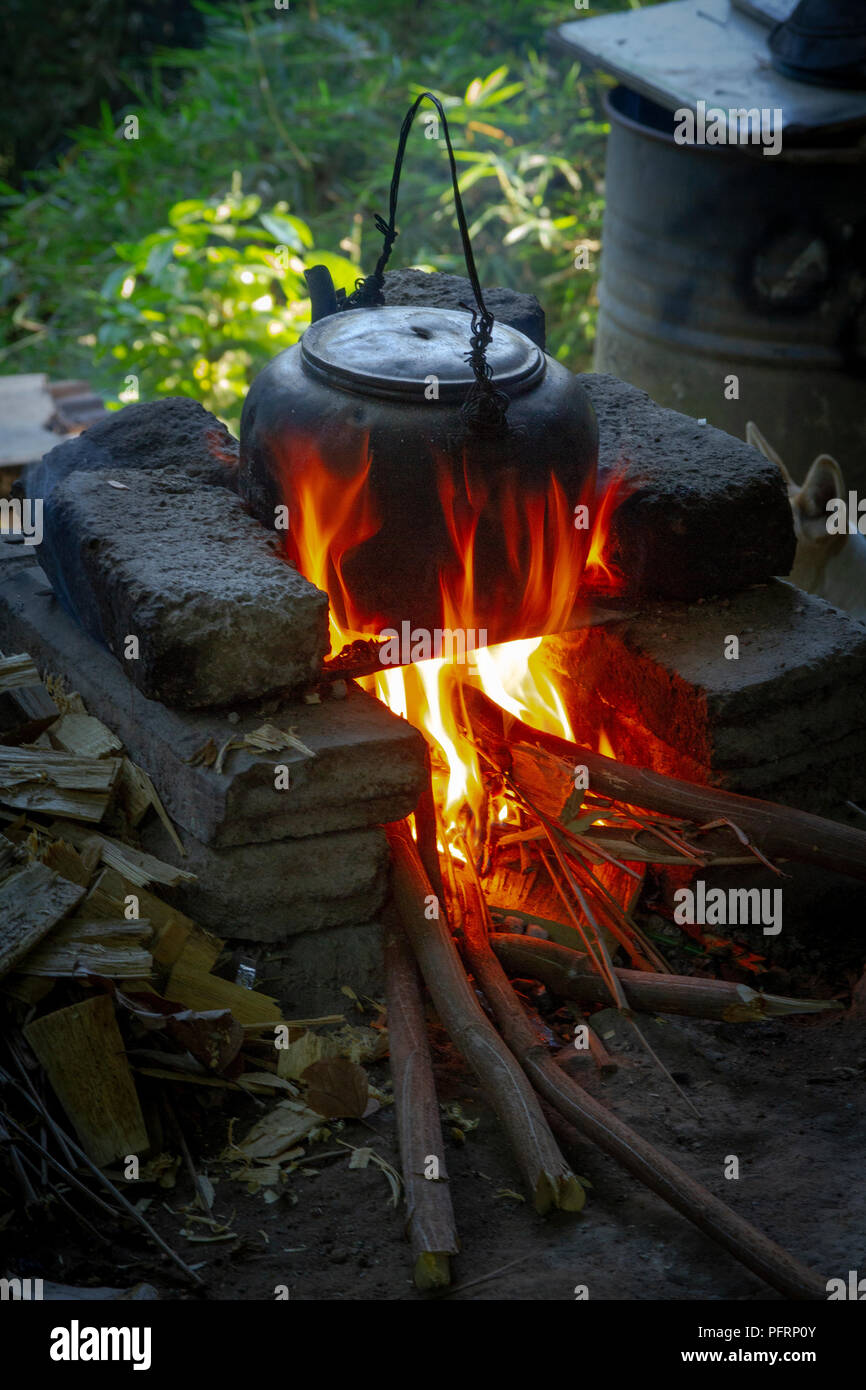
{"x":268,"y":892}
{"x":308,"y":973}
{"x":786,"y":720}
{"x":437,"y":291}
{"x":176,"y":433}
{"x":705,"y":514}
{"x":369,"y":767}
{"x":218,"y":614}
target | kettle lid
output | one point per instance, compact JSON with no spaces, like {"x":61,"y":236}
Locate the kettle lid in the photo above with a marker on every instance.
{"x":393,"y":352}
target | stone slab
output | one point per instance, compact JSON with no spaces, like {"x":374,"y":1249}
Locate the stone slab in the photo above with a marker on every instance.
{"x":705,"y":513}
{"x":218,"y":614}
{"x":269,"y":892}
{"x":369,"y":765}
{"x":439,"y":291}
{"x":788,"y":717}
{"x":174,"y":433}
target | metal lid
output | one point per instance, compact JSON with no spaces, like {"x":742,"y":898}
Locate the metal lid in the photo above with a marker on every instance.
{"x":394,"y":350}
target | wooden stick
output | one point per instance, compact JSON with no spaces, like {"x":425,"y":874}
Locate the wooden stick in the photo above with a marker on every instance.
{"x":781,"y":831}
{"x":603,"y":841}
{"x":565,"y":972}
{"x":619,"y":1140}
{"x":430,"y":1226}
{"x":547,"y":1175}
{"x":426,"y":830}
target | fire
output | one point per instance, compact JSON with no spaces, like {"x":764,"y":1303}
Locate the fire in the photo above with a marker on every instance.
{"x":332,"y":513}
{"x":601,"y":572}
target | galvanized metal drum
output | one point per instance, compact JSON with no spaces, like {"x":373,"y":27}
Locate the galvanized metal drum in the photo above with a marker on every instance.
{"x":720,"y":262}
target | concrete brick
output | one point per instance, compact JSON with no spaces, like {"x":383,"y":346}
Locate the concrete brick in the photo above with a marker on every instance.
{"x":175,"y":433}
{"x":308,"y":973}
{"x":369,"y":765}
{"x":706,"y":513}
{"x":218,"y":613}
{"x":437,"y":291}
{"x":269,"y":892}
{"x":787,"y":720}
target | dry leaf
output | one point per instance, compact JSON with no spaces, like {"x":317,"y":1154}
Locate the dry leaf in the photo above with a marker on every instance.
{"x":279,"y":1131}
{"x":336,"y":1089}
{"x":292,"y":1061}
{"x":205,"y":756}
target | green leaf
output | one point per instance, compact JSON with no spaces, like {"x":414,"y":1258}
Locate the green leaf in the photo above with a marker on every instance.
{"x":111,"y":284}
{"x":190,"y":210}
{"x":286,"y":230}
{"x":159,"y":258}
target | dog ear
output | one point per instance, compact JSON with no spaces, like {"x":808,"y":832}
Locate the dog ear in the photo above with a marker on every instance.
{"x":824,"y":481}
{"x":757,"y":441}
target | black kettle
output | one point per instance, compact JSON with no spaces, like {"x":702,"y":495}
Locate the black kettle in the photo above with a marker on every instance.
{"x":432,"y":466}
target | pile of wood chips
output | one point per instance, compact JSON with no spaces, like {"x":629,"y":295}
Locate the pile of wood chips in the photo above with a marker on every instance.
{"x":103,"y":984}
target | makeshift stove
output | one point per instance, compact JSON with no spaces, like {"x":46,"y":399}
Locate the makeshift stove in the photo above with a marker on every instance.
{"x":411,"y":634}
{"x":146,"y":538}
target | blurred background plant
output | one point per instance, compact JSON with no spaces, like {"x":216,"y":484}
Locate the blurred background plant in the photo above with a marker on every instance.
{"x":178,"y":256}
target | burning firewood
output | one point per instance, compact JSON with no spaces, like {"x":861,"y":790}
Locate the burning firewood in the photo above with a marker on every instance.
{"x":778,"y":831}
{"x":569,"y":975}
{"x":595,"y":1121}
{"x":547,"y":1175}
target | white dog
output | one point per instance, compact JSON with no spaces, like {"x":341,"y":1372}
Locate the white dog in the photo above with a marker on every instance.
{"x":831,"y":565}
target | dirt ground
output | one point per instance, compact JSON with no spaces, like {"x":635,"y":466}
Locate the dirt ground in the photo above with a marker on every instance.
{"x":784,"y":1097}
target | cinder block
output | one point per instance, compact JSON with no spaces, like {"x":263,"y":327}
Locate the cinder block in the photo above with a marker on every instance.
{"x":269,"y":892}
{"x":706,"y":514}
{"x":175,"y":433}
{"x":370,"y":766}
{"x":785,"y":720}
{"x":309,"y":971}
{"x":217,"y":613}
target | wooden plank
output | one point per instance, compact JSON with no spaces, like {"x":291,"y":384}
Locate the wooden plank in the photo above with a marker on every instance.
{"x":133,"y":792}
{"x":114,"y":949}
{"x":173,"y":931}
{"x":32,"y":779}
{"x":9,"y":852}
{"x":17,"y":672}
{"x":700,"y":50}
{"x":69,"y":863}
{"x":189,"y":985}
{"x":82,"y":1051}
{"x":135,"y":865}
{"x":25,"y":409}
{"x":32,"y":901}
{"x":26,"y":708}
{"x":84,"y":736}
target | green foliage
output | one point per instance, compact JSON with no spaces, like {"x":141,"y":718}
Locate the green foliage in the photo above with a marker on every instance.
{"x":133,"y":253}
{"x":197,"y":307}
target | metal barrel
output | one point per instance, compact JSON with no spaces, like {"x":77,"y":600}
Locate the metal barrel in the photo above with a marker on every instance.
{"x":722,"y":262}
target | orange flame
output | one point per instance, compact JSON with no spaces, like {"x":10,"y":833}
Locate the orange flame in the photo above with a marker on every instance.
{"x":601,"y":572}
{"x":332,"y":512}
